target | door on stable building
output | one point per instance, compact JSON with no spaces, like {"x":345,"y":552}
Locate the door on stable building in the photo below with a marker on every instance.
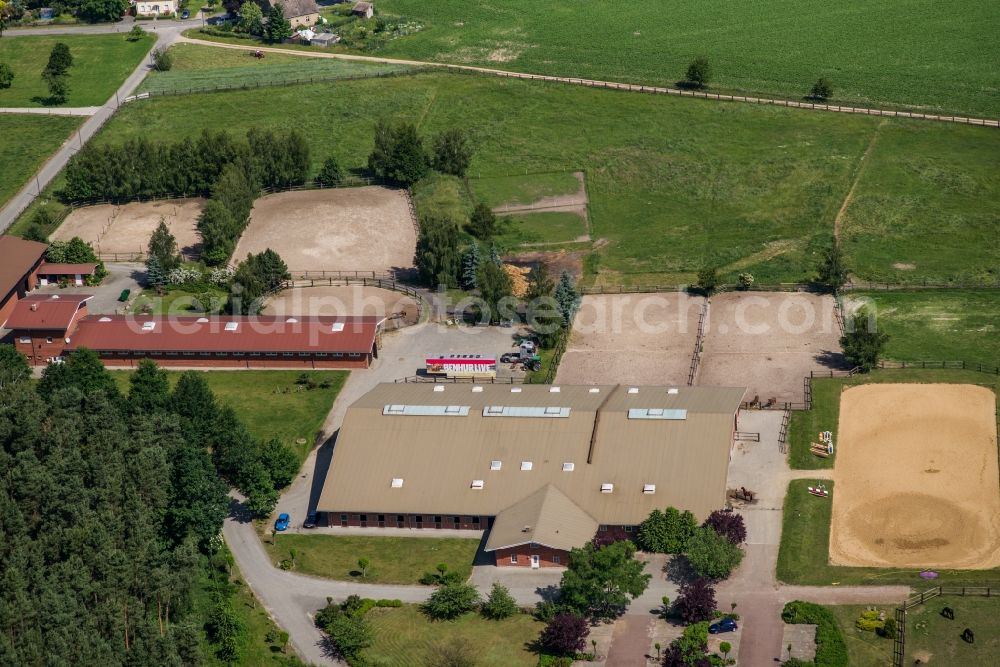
{"x":535,"y":562}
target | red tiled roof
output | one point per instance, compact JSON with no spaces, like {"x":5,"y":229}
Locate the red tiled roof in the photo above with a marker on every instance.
{"x":45,"y":311}
{"x":86,"y":269}
{"x":209,"y":334}
{"x":17,"y":257}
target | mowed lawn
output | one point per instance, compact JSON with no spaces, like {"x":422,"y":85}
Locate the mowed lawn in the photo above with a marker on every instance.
{"x":864,"y":649}
{"x":936,"y":640}
{"x":394,"y":560}
{"x":694,"y":183}
{"x":404,"y":637}
{"x":26,"y":141}
{"x":517,"y":190}
{"x":205,"y":67}
{"x":927,"y":206}
{"x":270,"y":403}
{"x":961,"y":325}
{"x":100,"y":64}
{"x":920,"y":53}
{"x":546,"y":227}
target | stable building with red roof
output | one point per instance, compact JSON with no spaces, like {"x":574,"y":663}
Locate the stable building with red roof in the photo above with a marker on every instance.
{"x":19,"y":262}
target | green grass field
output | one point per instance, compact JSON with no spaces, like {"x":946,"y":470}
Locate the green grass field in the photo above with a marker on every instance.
{"x":29,"y":140}
{"x":405,"y":637}
{"x":918,"y":53}
{"x":270,"y":403}
{"x":945,"y":324}
{"x":804,"y":553}
{"x":205,"y":67}
{"x":926,"y":207}
{"x":864,"y":649}
{"x":394,"y":560}
{"x":527,"y":189}
{"x":100,"y":64}
{"x":665,"y":199}
{"x":937,"y":640}
{"x":542,"y":227}
{"x":805,"y":425}
{"x":179,"y":302}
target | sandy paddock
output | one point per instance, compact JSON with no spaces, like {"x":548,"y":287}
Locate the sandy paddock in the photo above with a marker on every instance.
{"x":768,"y":341}
{"x":345,"y":300}
{"x":340,"y":229}
{"x":642,"y":339}
{"x":917,"y":484}
{"x":127,"y":228}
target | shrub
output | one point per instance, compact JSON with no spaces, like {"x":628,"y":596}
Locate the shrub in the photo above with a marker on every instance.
{"x":695,"y":601}
{"x":712,"y":555}
{"x":500,"y":604}
{"x":330,"y":174}
{"x":889,"y":629}
{"x":6,"y":75}
{"x":565,"y":634}
{"x":821,"y":90}
{"x":163,"y":60}
{"x":350,"y":634}
{"x":745,"y":280}
{"x":451,"y":601}
{"x":388,"y":603}
{"x":698,"y":72}
{"x":546,"y":660}
{"x":708,"y":280}
{"x":135,"y":34}
{"x":831,"y":651}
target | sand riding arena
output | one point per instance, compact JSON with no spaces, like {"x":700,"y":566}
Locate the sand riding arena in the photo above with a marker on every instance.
{"x":916,"y":478}
{"x":339,"y":229}
{"x":333,"y":300}
{"x":121,"y":232}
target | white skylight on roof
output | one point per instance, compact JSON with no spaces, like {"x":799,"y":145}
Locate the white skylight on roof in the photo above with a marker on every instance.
{"x":337,"y":327}
{"x":453,"y":409}
{"x":553,"y":410}
{"x":477,"y":484}
{"x":569,"y":466}
{"x":427,"y":410}
{"x":104,"y":319}
{"x":148,"y":326}
{"x":397,"y":482}
{"x":232,"y":326}
{"x":394,"y":409}
{"x":607,"y":488}
{"x":496,"y":465}
{"x":515,"y":390}
{"x":595,"y":390}
{"x":202,"y":320}
{"x":554,"y":390}
{"x":525,"y":411}
{"x":291,"y":320}
{"x":526,"y":465}
{"x":649,"y":488}
{"x":438,"y":388}
{"x":657,"y":413}
{"x":477,"y":390}
{"x":673,"y":390}
{"x":633,"y":390}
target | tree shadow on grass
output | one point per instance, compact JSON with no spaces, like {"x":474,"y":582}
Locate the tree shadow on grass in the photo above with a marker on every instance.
{"x":47,"y":101}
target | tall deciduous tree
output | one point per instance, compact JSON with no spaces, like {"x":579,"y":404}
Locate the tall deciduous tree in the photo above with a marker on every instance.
{"x":728,"y":524}
{"x":399,"y":154}
{"x":483,"y":222}
{"x":712,"y":555}
{"x":149,"y":389}
{"x":863,"y":342}
{"x":565,"y":634}
{"x":437,"y":255}
{"x":163,"y":246}
{"x":833,"y":272}
{"x":494,"y":286}
{"x":60,"y":60}
{"x":698,"y":72}
{"x":251,"y":19}
{"x":452,"y":153}
{"x":695,"y":601}
{"x":600,"y":582}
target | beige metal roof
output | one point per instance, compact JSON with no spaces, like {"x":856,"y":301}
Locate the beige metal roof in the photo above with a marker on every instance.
{"x":546,"y":517}
{"x":439,"y":458}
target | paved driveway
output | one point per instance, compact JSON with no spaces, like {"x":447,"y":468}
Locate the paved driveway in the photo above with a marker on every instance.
{"x":105,"y":296}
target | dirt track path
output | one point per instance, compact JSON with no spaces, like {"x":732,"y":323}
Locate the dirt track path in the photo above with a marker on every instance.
{"x":612,"y":85}
{"x":849,"y":197}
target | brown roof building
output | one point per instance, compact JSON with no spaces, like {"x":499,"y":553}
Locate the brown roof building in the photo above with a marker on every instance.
{"x":19,"y":262}
{"x":298,"y":12}
{"x":544,"y":465}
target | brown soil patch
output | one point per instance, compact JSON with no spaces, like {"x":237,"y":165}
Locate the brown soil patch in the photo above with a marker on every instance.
{"x":340,"y":229}
{"x":127,"y":228}
{"x":555,"y":261}
{"x":917,"y":483}
{"x":768,"y":342}
{"x":902,"y":266}
{"x":639,"y":339}
{"x":344,"y":300}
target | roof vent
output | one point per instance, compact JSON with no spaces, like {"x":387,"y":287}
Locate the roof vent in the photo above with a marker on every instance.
{"x":526,"y":465}
{"x":569,"y":466}
{"x":202,"y":320}
{"x":477,"y":390}
{"x":438,"y":388}
{"x":477,"y":484}
{"x":34,"y":307}
{"x":515,"y":390}
{"x":104,"y":319}
{"x":633,"y":390}
{"x":397,"y":482}
{"x":673,"y":390}
{"x":595,"y":390}
{"x":54,"y":296}
{"x":337,"y":327}
{"x":496,"y":465}
{"x":291,"y":320}
{"x":649,"y":488}
{"x":554,"y":390}
{"x":232,"y":326}
{"x":526,"y":529}
{"x":607,"y":488}
{"x":148,"y":326}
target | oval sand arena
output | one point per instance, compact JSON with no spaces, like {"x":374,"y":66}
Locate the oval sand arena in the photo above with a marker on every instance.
{"x":916,"y":478}
{"x":339,"y":229}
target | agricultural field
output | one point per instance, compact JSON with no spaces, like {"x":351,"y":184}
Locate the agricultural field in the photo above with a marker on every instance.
{"x":29,"y":140}
{"x":926,"y":206}
{"x":394,"y":560}
{"x":405,"y":636}
{"x":294,"y":415}
{"x":206,"y":68}
{"x":754,"y":185}
{"x":100,"y":64}
{"x":937,"y":325}
{"x":917,"y":53}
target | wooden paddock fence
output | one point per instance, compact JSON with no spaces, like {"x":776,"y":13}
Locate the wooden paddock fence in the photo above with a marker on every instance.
{"x":698,"y":341}
{"x":899,"y":645}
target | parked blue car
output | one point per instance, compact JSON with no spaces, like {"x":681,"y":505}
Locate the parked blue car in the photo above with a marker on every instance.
{"x":725,"y":625}
{"x":282,"y":522}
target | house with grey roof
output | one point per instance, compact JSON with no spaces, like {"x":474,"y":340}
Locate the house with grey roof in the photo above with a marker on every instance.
{"x":298,"y":12}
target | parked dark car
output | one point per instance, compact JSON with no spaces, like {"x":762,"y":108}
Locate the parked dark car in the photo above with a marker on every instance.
{"x":725,"y":625}
{"x":310,"y":521}
{"x":185,"y":14}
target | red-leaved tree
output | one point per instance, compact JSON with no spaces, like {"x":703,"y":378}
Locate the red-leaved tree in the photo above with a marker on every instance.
{"x":728,"y":524}
{"x":565,"y":634}
{"x":696,"y":601}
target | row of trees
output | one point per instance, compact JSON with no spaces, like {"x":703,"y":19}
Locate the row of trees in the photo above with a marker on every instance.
{"x":699,"y":73}
{"x":399,"y":155}
{"x":712,"y":549}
